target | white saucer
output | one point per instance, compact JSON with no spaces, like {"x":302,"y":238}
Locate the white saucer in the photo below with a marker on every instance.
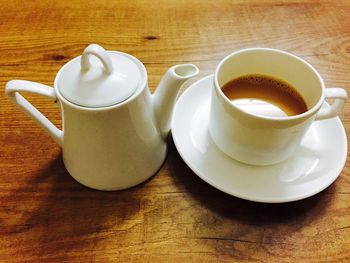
{"x":315,"y":165}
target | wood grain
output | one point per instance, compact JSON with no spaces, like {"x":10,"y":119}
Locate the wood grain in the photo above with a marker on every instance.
{"x":45,"y":216}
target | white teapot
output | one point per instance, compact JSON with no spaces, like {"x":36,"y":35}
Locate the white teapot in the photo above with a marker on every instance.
{"x":114,"y":131}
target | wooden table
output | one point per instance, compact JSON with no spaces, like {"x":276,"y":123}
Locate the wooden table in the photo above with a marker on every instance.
{"x":45,"y":216}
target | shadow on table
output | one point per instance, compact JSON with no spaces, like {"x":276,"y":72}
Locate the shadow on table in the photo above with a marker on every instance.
{"x":228,"y":206}
{"x":58,"y":215}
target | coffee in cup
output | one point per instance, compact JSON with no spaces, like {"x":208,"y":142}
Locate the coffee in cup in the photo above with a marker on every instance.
{"x":264,"y":95}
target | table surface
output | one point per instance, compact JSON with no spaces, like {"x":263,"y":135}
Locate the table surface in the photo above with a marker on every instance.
{"x":47,"y":216}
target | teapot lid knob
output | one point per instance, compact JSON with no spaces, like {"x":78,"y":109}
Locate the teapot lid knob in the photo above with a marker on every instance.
{"x":100,"y":53}
{"x":100,"y":78}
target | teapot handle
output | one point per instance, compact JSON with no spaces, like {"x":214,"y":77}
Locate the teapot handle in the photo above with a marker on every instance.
{"x":12,"y":90}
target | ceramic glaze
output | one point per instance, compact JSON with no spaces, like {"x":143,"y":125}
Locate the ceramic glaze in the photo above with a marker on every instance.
{"x":262,"y":140}
{"x":317,"y":162}
{"x":114,"y":130}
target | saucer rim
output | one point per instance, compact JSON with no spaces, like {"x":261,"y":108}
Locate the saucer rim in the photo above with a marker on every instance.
{"x":248,"y":197}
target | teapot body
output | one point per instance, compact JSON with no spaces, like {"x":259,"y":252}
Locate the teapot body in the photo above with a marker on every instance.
{"x":115,"y":147}
{"x":114,"y":131}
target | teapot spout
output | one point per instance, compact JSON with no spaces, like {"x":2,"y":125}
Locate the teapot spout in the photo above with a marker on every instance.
{"x":166,"y":93}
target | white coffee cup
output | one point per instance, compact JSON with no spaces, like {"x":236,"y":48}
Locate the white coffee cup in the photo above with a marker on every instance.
{"x":263,"y":140}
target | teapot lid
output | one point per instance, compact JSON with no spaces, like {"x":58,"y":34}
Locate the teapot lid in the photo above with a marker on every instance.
{"x":100,"y":78}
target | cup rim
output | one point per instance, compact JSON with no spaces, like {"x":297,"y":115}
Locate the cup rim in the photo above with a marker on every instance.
{"x":307,"y":113}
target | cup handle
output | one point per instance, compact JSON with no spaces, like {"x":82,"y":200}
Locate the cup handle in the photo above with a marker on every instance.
{"x":339,"y":95}
{"x":12,"y":90}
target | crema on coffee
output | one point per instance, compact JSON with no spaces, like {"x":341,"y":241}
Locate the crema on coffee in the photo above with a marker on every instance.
{"x":267,"y":90}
